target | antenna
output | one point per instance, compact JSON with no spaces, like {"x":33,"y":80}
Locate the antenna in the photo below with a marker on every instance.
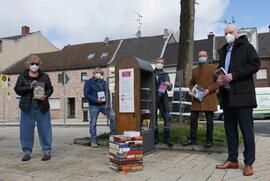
{"x":224,"y":21}
{"x":139,"y":20}
{"x":107,"y":40}
{"x":233,"y":20}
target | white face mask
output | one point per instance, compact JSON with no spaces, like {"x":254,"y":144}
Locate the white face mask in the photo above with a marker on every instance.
{"x":34,"y":68}
{"x":230,"y":38}
{"x":202,"y":59}
{"x":159,"y":66}
{"x":97,"y":75}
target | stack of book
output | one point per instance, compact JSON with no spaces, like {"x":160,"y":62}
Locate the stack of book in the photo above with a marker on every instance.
{"x":126,"y":152}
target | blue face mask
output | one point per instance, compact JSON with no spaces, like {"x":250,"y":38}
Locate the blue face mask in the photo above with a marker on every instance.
{"x":202,"y":59}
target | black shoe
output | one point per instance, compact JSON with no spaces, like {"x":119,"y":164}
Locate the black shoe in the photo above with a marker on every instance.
{"x":26,"y":157}
{"x":169,"y":144}
{"x":46,"y":157}
{"x":189,"y":142}
{"x":208,"y":144}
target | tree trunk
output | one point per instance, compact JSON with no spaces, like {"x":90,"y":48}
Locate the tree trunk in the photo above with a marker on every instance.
{"x":185,"y":52}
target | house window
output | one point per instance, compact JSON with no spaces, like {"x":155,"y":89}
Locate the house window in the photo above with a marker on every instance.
{"x":104,"y":55}
{"x":85,"y":103}
{"x":84,"y":76}
{"x":261,"y":74}
{"x":55,"y":104}
{"x":91,"y":56}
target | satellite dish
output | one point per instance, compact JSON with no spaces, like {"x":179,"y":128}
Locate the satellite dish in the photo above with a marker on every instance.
{"x":138,"y":34}
{"x":107,"y":40}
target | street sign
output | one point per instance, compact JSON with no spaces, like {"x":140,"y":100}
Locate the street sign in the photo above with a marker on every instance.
{"x":63,"y":76}
{"x":4,"y":82}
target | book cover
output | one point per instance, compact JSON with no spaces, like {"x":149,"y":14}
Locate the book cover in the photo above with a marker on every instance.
{"x":146,"y":124}
{"x":162,"y":88}
{"x":117,"y":146}
{"x":220,"y":73}
{"x":101,"y":96}
{"x":131,"y":133}
{"x":39,"y":91}
{"x":197,"y":92}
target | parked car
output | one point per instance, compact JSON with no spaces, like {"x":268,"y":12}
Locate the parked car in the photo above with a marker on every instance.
{"x":263,"y":101}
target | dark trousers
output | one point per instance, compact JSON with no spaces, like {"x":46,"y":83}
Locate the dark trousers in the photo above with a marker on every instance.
{"x":194,"y":125}
{"x":242,"y":116}
{"x":166,"y":127}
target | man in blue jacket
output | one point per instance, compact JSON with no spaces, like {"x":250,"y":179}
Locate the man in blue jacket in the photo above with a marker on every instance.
{"x":97,"y":93}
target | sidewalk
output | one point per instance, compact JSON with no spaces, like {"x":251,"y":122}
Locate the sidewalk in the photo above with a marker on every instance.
{"x":58,"y":122}
{"x":75,"y":162}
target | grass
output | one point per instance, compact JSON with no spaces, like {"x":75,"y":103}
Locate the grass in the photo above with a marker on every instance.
{"x":179,"y":134}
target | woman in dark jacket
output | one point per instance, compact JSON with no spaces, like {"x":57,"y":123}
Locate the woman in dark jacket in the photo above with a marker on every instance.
{"x":34,"y":86}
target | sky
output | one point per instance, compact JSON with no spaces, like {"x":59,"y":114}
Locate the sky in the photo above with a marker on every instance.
{"x":72,"y":22}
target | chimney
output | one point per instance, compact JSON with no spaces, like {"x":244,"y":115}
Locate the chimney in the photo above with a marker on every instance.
{"x":166,"y":33}
{"x":210,"y":35}
{"x":25,"y":30}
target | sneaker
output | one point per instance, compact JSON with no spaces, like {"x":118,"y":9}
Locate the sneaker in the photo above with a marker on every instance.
{"x":189,"y":142}
{"x":208,"y":144}
{"x":94,"y":144}
{"x":169,"y":144}
{"x":26,"y":157}
{"x":46,"y":157}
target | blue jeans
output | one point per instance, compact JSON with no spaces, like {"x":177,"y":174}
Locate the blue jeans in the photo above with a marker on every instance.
{"x":94,"y":112}
{"x":27,"y":129}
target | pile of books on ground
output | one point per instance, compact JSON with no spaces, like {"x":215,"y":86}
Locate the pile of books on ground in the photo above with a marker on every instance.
{"x":126,"y":152}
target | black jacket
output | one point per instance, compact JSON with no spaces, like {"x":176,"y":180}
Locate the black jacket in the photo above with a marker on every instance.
{"x":244,"y":63}
{"x":161,"y":77}
{"x":23,"y":89}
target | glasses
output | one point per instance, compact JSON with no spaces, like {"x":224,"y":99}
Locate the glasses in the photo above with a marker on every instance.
{"x":34,"y":63}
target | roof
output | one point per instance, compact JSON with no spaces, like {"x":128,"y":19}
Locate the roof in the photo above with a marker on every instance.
{"x":264,"y":44}
{"x":171,"y":52}
{"x":146,"y":48}
{"x":16,"y":37}
{"x":72,"y":57}
{"x":203,"y":45}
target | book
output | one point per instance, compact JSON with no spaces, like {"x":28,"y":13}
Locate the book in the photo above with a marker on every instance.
{"x":146,"y":124}
{"x":101,"y":96}
{"x":162,"y":88}
{"x":197,"y":92}
{"x":117,"y":146}
{"x":39,"y":91}
{"x":220,"y":73}
{"x":131,"y":133}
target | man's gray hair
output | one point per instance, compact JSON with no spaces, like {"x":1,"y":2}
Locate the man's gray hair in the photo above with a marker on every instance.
{"x":231,"y":25}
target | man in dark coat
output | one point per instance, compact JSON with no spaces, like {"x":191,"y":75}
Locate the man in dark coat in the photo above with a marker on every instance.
{"x":162,"y":85}
{"x":237,"y":96}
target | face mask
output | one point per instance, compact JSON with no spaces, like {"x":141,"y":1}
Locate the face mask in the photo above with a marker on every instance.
{"x":97,"y":75}
{"x":34,"y":68}
{"x":159,"y":66}
{"x":230,"y":38}
{"x":202,"y":59}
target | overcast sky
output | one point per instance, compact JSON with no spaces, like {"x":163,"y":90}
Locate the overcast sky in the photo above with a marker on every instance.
{"x":78,"y":21}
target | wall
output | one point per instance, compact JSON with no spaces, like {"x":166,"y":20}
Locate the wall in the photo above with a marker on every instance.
{"x":15,"y":50}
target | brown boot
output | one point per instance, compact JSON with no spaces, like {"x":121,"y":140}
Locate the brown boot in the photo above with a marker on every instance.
{"x":228,"y":165}
{"x":248,"y":170}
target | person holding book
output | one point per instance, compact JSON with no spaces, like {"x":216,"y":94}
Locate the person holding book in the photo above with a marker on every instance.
{"x":162,"y":85}
{"x":97,"y":93}
{"x":203,"y":89}
{"x":34,"y":86}
{"x":237,"y":96}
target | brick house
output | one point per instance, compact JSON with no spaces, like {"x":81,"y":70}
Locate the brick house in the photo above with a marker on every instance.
{"x":78,"y":62}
